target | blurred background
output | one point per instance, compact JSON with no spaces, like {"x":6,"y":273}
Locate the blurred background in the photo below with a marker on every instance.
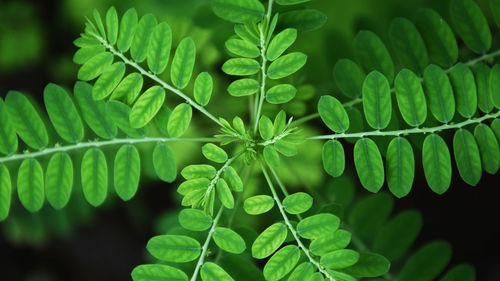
{"x":83,"y":243}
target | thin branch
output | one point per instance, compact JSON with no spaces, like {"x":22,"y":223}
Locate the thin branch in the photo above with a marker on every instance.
{"x":410,"y":131}
{"x":290,"y":226}
{"x":80,"y":145}
{"x":156,"y":79}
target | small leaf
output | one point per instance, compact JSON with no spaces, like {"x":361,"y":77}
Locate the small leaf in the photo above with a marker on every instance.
{"x":128,"y":89}
{"x":484,"y":95}
{"x":340,"y":259}
{"x":241,"y":66}
{"x":495,"y":85}
{"x":470,"y":23}
{"x":98,"y":21}
{"x":333,"y":158}
{"x":194,"y":219}
{"x":297,"y":203}
{"x":5,"y":192}
{"x":271,"y":156}
{"x":291,"y":2}
{"x":112,"y":25}
{"x":279,"y":94}
{"x":159,"y":48}
{"x":464,"y":84}
{"x":233,"y":179}
{"x":243,"y":87}
{"x":193,"y":184}
{"x":179,"y":120}
{"x":164,"y":162}
{"x":242,"y":48}
{"x":408,"y":45}
{"x":377,"y":104}
{"x":128,"y":25}
{"x":148,"y":272}
{"x":467,"y":156}
{"x":142,"y":37}
{"x":238,"y":11}
{"x":120,"y":115}
{"x":316,"y":226}
{"x":434,"y":257}
{"x":266,"y":128}
{"x":59,"y":180}
{"x":286,"y":148}
{"x":224,"y":194}
{"x":30,"y":185}
{"x":488,"y":147}
{"x":436,"y":161}
{"x":303,"y":19}
{"x":212,"y":272}
{"x":400,"y":166}
{"x":440,"y":93}
{"x":203,"y":86}
{"x":269,"y":240}
{"x":373,"y":54}
{"x":174,"y":248}
{"x":183,"y":63}
{"x":94,"y":171}
{"x":286,"y":65}
{"x":369,"y":165}
{"x":8,"y":137}
{"x":330,"y":242}
{"x":369,"y":265}
{"x":214,"y":153}
{"x":279,"y":123}
{"x":461,"y":272}
{"x":302,"y":272}
{"x":280,"y":43}
{"x":147,"y":106}
{"x":281,"y":263}
{"x":127,"y":171}
{"x":333,"y":114}
{"x":94,"y":67}
{"x":348,"y":77}
{"x":198,"y":171}
{"x":410,"y":97}
{"x":258,"y":204}
{"x":228,"y":240}
{"x":86,"y":53}
{"x":106,"y":83}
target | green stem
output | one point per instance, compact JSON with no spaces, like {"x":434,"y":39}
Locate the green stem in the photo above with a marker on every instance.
{"x":80,"y":145}
{"x":410,"y":131}
{"x":290,"y":226}
{"x":204,"y":250}
{"x":157,"y":79}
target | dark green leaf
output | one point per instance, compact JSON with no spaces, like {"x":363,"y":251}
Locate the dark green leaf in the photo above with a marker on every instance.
{"x":330,"y":242}
{"x":377,"y":103}
{"x":433,"y":257}
{"x":408,"y":45}
{"x":5,"y":192}
{"x":437,"y":163}
{"x":463,"y":82}
{"x":461,"y":272}
{"x":470,"y":23}
{"x":369,"y":265}
{"x":30,"y":187}
{"x":333,"y":114}
{"x":467,"y":156}
{"x":488,"y":147}
{"x":94,"y":171}
{"x":303,"y":20}
{"x":239,"y":11}
{"x":333,"y":158}
{"x":373,"y":54}
{"x":348,"y":77}
{"x":59,"y":180}
{"x":400,"y":166}
{"x":164,"y":162}
{"x":410,"y":97}
{"x":440,"y":93}
{"x":8,"y":137}
{"x":369,"y":165}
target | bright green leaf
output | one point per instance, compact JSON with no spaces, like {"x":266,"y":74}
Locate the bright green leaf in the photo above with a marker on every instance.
{"x":179,"y":120}
{"x":316,"y":226}
{"x":228,"y":240}
{"x":333,"y":114}
{"x":400,"y":166}
{"x":437,"y":163}
{"x":147,"y":106}
{"x":377,"y":104}
{"x":94,"y":171}
{"x":369,"y":165}
{"x":258,"y":204}
{"x":269,"y":240}
{"x":286,"y":65}
{"x":174,"y":248}
{"x":59,"y":180}
{"x":183,"y":63}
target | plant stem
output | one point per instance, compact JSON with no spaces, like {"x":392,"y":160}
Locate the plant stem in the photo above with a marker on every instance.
{"x":410,"y":131}
{"x":290,"y":226}
{"x":80,"y":145}
{"x":204,"y":250}
{"x":156,"y":79}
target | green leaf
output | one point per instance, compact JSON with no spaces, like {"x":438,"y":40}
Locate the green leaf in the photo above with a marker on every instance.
{"x":463,"y":82}
{"x":174,"y":248}
{"x":233,"y":179}
{"x":8,"y":137}
{"x":164,"y":162}
{"x":214,"y":153}
{"x":484,"y":96}
{"x":241,"y":66}
{"x":266,"y":128}
{"x":377,"y":103}
{"x":316,"y":226}
{"x":247,"y":33}
{"x":62,"y":113}
{"x":59,"y":180}
{"x":433,"y":257}
{"x":179,"y":120}
{"x":198,"y":171}
{"x":112,"y":25}
{"x":30,"y":185}
{"x":128,"y":89}
{"x":341,"y":276}
{"x":348,"y":77}
{"x":107,"y":82}
{"x":243,"y":87}
{"x":408,"y":45}
{"x":286,"y":65}
{"x":238,"y":11}
{"x":286,"y":148}
{"x":269,"y":240}
{"x":95,"y":66}
{"x":281,"y":93}
{"x":26,"y":121}
{"x":302,"y":272}
{"x":369,"y":214}
{"x":369,"y":165}
{"x":147,"y":106}
{"x":303,"y":20}
{"x":440,"y":93}
{"x":120,"y":114}
{"x":461,"y":272}
{"x":438,"y":37}
{"x":297,"y":203}
{"x":400,"y":166}
{"x":94,"y":171}
{"x":5,"y":192}
{"x":495,"y":11}
{"x":212,"y":272}
{"x":194,"y":219}
{"x":369,"y":265}
{"x":224,"y":194}
{"x":340,"y":259}
{"x":467,"y":156}
{"x":159,"y":48}
{"x":203,"y":86}
{"x":100,"y":26}
{"x":371,"y":52}
{"x":333,"y":114}
{"x":242,"y":48}
{"x":330,"y":242}
{"x":127,"y":171}
{"x":291,"y":2}
{"x":495,"y":85}
{"x":488,"y":148}
{"x":279,"y":123}
{"x":228,"y":240}
{"x":333,"y":158}
{"x":128,"y":25}
{"x":397,"y":236}
{"x":148,"y":272}
{"x":280,"y":43}
{"x":469,"y":22}
{"x":193,"y":184}
{"x":142,"y":37}
{"x":436,"y":161}
{"x":86,"y":53}
{"x":495,"y":126}
{"x":94,"y":112}
{"x":183,"y":63}
{"x":258,"y":204}
{"x":271,"y":157}
{"x":410,"y":97}
{"x":281,"y":263}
